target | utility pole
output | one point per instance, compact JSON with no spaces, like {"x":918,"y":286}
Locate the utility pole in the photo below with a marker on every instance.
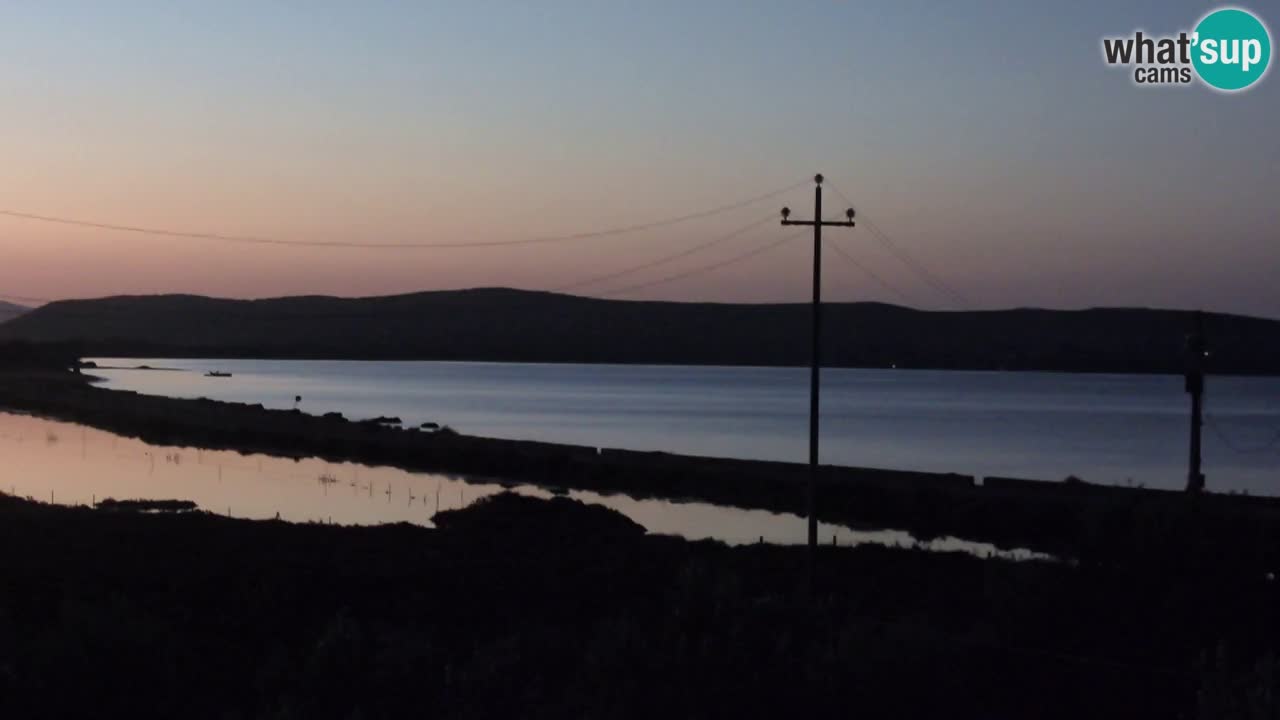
{"x":1197,"y":351}
{"x":815,"y":357}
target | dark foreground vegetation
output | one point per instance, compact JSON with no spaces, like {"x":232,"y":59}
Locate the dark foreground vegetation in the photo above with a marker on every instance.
{"x":513,"y":325}
{"x":528,"y":608}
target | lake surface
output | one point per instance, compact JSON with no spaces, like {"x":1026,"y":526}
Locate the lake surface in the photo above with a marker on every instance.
{"x":71,"y":464}
{"x":1114,"y":429}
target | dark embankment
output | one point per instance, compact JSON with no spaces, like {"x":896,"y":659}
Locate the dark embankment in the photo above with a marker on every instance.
{"x":567,"y":613}
{"x":111,"y":504}
{"x":1094,"y":524}
{"x":512,"y":325}
{"x":56,"y":359}
{"x":561,"y":518}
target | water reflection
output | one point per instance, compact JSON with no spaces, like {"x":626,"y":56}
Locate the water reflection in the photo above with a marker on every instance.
{"x":76,"y":465}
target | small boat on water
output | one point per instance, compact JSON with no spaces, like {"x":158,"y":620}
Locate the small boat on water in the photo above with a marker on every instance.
{"x":215,"y":373}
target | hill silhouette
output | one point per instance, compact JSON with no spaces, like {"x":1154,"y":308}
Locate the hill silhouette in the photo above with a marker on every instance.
{"x":9,"y":311}
{"x":498,"y":324}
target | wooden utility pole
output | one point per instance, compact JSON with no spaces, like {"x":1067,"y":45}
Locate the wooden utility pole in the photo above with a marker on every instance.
{"x":1197,"y":351}
{"x":815,"y":355}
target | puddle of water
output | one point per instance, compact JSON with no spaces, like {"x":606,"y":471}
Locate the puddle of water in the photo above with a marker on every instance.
{"x":72,"y":464}
{"x":736,"y":526}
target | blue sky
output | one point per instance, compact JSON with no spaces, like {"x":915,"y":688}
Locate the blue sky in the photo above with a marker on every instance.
{"x":987,"y":138}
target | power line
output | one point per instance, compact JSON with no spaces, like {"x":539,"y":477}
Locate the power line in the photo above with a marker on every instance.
{"x":665,"y":222}
{"x":870,"y":273}
{"x":582,"y":283}
{"x":665,"y":259}
{"x":711,"y":267}
{"x":1269,"y":445}
{"x":906,"y":258}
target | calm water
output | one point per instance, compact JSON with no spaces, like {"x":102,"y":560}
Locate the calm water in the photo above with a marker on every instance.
{"x":1102,"y":428}
{"x":71,"y":464}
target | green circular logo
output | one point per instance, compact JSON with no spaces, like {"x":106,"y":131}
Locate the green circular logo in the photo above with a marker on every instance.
{"x":1232,"y":49}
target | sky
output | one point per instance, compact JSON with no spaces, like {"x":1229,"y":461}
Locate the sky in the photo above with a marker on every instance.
{"x":986,"y":139}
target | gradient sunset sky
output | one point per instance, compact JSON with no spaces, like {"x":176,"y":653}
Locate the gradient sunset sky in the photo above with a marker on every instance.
{"x":988,"y":139}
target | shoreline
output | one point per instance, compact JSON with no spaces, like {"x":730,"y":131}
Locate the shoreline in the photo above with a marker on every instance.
{"x":697,"y":366}
{"x":518,"y":606}
{"x":1059,"y":518}
{"x":197,"y":354}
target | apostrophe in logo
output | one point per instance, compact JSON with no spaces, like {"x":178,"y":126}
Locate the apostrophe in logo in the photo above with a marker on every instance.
{"x":1229,"y":50}
{"x":1233,"y":49}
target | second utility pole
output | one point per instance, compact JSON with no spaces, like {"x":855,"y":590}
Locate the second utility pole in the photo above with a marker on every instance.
{"x":1197,"y":351}
{"x":815,"y":356}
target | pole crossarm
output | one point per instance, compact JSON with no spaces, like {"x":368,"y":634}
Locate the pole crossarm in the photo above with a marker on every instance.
{"x":823,"y":223}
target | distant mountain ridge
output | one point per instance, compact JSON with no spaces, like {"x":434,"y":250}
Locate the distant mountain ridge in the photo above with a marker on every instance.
{"x":499,"y":324}
{"x":9,"y":311}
